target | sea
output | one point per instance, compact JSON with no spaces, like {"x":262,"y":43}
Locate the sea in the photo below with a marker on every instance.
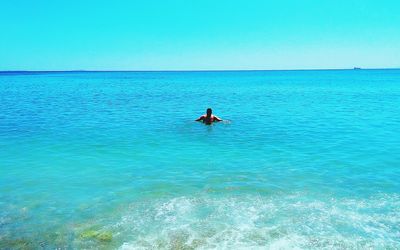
{"x":306,"y":159}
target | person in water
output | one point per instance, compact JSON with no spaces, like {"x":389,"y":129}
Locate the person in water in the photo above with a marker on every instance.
{"x":209,"y":118}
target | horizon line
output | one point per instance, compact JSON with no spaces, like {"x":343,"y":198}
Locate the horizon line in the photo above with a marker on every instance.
{"x":193,"y":70}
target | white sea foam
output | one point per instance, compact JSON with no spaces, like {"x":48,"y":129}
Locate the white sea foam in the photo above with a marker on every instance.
{"x":256,"y":222}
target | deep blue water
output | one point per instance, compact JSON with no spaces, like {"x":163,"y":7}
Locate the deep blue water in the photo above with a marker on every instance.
{"x":305,"y":159}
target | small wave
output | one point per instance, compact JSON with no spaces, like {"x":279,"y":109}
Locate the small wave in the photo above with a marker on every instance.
{"x":261,"y":222}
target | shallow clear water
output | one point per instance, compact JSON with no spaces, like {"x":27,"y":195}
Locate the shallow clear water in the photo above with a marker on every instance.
{"x":308,"y":159}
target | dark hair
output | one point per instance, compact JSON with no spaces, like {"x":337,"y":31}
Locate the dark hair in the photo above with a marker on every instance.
{"x":209,"y":111}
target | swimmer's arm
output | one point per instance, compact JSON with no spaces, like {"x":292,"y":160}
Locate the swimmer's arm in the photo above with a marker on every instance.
{"x":200,"y":118}
{"x":217,"y":119}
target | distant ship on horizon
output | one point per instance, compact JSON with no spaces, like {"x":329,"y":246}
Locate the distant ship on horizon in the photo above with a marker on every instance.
{"x":356,"y":68}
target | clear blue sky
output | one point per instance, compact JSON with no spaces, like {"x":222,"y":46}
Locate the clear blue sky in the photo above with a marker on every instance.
{"x":198,"y":34}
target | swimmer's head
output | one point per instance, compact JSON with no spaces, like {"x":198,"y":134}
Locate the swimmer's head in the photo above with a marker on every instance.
{"x":209,"y":111}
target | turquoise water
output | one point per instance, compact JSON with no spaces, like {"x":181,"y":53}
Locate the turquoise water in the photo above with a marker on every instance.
{"x":308,"y":159}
